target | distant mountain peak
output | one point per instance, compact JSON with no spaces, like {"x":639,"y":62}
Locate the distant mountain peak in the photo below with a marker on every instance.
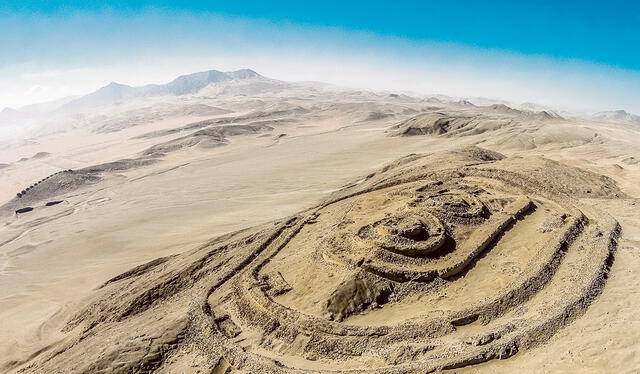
{"x":620,"y":113}
{"x":10,"y":115}
{"x":113,"y":87}
{"x":192,"y":83}
{"x":8,"y":110}
{"x":116,"y":92}
{"x":618,"y":116}
{"x":245,"y":74}
{"x":115,"y":84}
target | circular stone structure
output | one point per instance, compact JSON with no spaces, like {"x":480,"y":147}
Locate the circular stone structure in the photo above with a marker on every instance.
{"x":413,"y":277}
{"x":406,"y":234}
{"x":412,"y":270}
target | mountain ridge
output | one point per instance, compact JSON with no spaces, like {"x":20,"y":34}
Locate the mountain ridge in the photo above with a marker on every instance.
{"x":115,"y":92}
{"x":617,"y":116}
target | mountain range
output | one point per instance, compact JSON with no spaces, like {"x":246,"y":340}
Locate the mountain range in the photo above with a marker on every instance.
{"x":115,"y":93}
{"x":183,"y":85}
{"x":211,"y":82}
{"x":618,"y":116}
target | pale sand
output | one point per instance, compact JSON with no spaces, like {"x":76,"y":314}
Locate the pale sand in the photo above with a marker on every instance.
{"x":53,"y":258}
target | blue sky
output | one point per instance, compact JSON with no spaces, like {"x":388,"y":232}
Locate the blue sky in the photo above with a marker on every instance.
{"x":580,"y":54}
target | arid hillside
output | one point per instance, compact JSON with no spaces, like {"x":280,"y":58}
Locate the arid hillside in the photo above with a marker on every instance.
{"x":257,"y":226}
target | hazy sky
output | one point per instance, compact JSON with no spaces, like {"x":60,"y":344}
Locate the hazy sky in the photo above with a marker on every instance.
{"x":580,"y":55}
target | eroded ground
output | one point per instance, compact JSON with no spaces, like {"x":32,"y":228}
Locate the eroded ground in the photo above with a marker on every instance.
{"x":453,"y":258}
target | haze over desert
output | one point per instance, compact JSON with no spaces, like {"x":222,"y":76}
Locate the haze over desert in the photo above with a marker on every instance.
{"x":230,"y":221}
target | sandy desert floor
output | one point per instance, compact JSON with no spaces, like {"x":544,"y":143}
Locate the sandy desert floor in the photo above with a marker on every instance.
{"x":308,"y":174}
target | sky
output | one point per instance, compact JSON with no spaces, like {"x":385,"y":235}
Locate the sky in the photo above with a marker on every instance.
{"x":578,"y":55}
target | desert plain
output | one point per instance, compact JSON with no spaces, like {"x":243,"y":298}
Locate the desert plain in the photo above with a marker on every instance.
{"x":233,"y":223}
